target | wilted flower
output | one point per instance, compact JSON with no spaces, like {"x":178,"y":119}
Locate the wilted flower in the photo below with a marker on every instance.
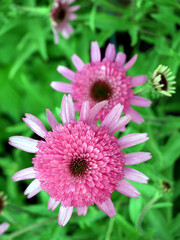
{"x":79,"y":163}
{"x":162,"y":81}
{"x":61,"y":14}
{"x":103,"y":80}
{"x":3,"y":227}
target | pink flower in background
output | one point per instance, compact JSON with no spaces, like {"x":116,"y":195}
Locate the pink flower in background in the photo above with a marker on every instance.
{"x":79,"y":163}
{"x":103,"y":80}
{"x":61,"y":14}
{"x":3,"y":227}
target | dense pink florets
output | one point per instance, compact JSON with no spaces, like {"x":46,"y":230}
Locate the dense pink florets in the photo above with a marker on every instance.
{"x":102,"y":164}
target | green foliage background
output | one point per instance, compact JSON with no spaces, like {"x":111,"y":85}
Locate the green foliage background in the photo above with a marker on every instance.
{"x":28,"y":62}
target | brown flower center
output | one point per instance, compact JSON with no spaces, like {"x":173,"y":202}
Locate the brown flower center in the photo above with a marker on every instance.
{"x":60,"y":14}
{"x":163,"y":81}
{"x":1,"y":204}
{"x":78,"y":166}
{"x":100,"y":91}
{"x":166,"y":185}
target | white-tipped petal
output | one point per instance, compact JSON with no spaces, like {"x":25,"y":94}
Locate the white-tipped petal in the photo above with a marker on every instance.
{"x":64,"y":215}
{"x":27,"y":173}
{"x":108,"y":208}
{"x":3,"y":227}
{"x":84,"y":111}
{"x":51,"y":119}
{"x":78,"y":63}
{"x":136,"y":157}
{"x":66,"y":72}
{"x":134,"y":175}
{"x":95,"y":110}
{"x":35,"y":124}
{"x":62,"y":87}
{"x":35,"y":184}
{"x":95,"y":52}
{"x":24,"y":143}
{"x":82,"y":211}
{"x":120,"y":125}
{"x":127,"y":189}
{"x":132,"y":139}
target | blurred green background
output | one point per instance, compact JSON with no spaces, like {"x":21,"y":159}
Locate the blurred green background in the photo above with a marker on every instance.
{"x":28,"y":62}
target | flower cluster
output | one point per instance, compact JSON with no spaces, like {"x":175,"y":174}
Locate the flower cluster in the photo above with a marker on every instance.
{"x":104,"y":79}
{"x":79,"y":163}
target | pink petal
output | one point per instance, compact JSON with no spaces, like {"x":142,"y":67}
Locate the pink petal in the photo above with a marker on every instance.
{"x":108,"y":208}
{"x":134,"y":175}
{"x":140,"y":101}
{"x":74,"y":8}
{"x":95,"y":52}
{"x":66,"y":72}
{"x":70,"y":1}
{"x":78,"y":63}
{"x":27,"y":173}
{"x":110,"y":52}
{"x":24,"y":143}
{"x":120,"y":125}
{"x":130,"y":63}
{"x":72,"y":16}
{"x":127,"y":189}
{"x":67,"y":30}
{"x":135,"y":115}
{"x":121,"y":58}
{"x":113,"y":116}
{"x":84,"y":111}
{"x":95,"y":110}
{"x":82,"y":211}
{"x":132,"y":139}
{"x":35,"y":124}
{"x":62,"y":87}
{"x":3,"y":227}
{"x":139,"y":80}
{"x":33,"y":188}
{"x":52,"y":204}
{"x":51,"y":119}
{"x":67,"y":109}
{"x":137,"y":157}
{"x":64,"y":215}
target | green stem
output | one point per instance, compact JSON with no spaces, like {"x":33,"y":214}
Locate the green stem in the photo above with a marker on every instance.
{"x":146,"y":208}
{"x":29,"y":228}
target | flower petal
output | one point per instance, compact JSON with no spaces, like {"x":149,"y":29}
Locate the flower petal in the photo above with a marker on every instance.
{"x":78,"y":63}
{"x":51,"y":119}
{"x":108,"y":208}
{"x":64,"y":215}
{"x":95,"y":110}
{"x":136,"y":157}
{"x":95,"y":52}
{"x":127,"y":189}
{"x":35,"y":124}
{"x":27,"y":173}
{"x":33,"y":186}
{"x":3,"y":227}
{"x":62,"y":87}
{"x":140,"y":101}
{"x":67,"y":109}
{"x":134,"y":175}
{"x":24,"y":143}
{"x":135,"y":115}
{"x":82,"y":211}
{"x":120,"y":125}
{"x":130,"y":63}
{"x":121,"y":58}
{"x":72,"y":16}
{"x":66,"y":72}
{"x":132,"y":139}
{"x":84,"y":111}
{"x":52,"y":204}
{"x":110,"y":52}
{"x":138,"y":80}
{"x":74,"y":8}
{"x":113,"y":116}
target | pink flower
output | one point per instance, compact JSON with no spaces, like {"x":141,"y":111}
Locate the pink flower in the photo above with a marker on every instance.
{"x":3,"y":227}
{"x":61,"y":14}
{"x":80,"y":164}
{"x":103,"y":80}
